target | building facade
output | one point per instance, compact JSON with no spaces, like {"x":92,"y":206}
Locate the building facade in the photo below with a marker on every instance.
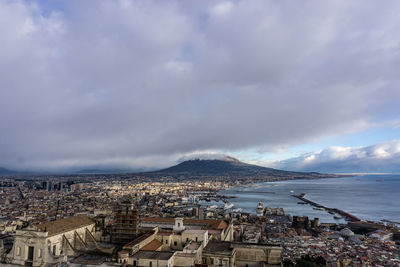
{"x":52,"y":242}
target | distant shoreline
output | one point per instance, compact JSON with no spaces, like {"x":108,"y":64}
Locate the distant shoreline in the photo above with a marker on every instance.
{"x":370,"y":213}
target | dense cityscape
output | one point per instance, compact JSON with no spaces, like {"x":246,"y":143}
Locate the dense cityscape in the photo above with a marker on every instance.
{"x":171,"y":223}
{"x":184,"y":133}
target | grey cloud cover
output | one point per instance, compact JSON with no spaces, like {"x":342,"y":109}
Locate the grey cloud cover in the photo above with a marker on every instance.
{"x":144,"y":83}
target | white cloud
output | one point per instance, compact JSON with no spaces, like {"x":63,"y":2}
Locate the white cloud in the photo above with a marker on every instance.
{"x":383,"y":157}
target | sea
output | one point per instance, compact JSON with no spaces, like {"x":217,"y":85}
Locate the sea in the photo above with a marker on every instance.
{"x":368,"y":197}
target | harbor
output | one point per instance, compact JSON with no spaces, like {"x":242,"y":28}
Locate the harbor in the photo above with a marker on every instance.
{"x":338,"y":214}
{"x":330,"y":193}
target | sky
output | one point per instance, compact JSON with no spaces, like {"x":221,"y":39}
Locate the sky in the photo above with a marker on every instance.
{"x":296,"y":85}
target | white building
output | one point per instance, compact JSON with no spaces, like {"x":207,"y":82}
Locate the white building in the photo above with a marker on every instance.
{"x":52,"y":242}
{"x":219,"y":229}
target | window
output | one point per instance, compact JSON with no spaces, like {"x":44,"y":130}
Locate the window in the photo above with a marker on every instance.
{"x":175,"y":243}
{"x":187,"y":239}
{"x":54,"y":250}
{"x":179,"y":224}
{"x":134,"y":263}
{"x":166,"y":241}
{"x":197,"y":239}
{"x":150,"y":264}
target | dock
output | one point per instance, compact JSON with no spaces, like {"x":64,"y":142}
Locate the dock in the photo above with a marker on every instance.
{"x":346,"y":215}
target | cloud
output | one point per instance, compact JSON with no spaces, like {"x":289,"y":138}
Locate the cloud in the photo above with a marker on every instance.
{"x":383,"y":157}
{"x":205,"y":155}
{"x":139,"y":83}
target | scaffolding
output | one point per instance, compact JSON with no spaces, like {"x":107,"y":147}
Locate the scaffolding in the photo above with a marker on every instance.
{"x":126,"y":223}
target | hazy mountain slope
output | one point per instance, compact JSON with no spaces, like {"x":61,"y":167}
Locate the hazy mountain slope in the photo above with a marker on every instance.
{"x":4,"y":171}
{"x":230,"y":167}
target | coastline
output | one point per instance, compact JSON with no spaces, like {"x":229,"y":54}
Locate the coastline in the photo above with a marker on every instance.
{"x":253,"y":183}
{"x":369,"y":207}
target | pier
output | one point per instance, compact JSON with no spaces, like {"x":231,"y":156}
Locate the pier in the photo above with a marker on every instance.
{"x":346,"y":215}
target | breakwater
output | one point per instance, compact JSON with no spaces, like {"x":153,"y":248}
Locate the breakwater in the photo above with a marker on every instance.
{"x":346,"y":215}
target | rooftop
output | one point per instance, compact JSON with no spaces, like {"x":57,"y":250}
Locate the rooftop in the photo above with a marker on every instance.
{"x":159,"y":255}
{"x":65,"y":225}
{"x":213,"y":224}
{"x":163,"y":233}
{"x":194,"y":231}
{"x":216,"y":246}
{"x":138,"y":240}
{"x":153,"y":245}
{"x":89,"y":259}
{"x":187,"y":255}
{"x":193,"y":246}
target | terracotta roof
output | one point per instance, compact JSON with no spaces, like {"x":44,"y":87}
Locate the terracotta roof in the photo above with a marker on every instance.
{"x":138,"y":240}
{"x":213,"y":224}
{"x":153,"y":245}
{"x":65,"y":225}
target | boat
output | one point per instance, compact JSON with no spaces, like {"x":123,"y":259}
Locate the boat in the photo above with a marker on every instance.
{"x":228,"y":206}
{"x":337,"y":217}
{"x":238,"y":210}
{"x":318,"y":208}
{"x":260,"y":209}
{"x":302,"y":203}
{"x":291,"y":191}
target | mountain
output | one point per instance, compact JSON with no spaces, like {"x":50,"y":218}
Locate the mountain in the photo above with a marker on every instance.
{"x":4,"y":171}
{"x":231,"y":167}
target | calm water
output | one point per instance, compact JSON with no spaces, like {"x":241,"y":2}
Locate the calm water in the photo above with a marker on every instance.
{"x":362,"y":196}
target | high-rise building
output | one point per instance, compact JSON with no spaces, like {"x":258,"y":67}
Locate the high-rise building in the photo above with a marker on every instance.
{"x":49,"y":186}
